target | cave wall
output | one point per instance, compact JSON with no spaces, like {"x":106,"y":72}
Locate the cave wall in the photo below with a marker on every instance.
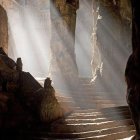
{"x":3,"y":29}
{"x":135,"y":24}
{"x":112,"y":33}
{"x":132,"y":71}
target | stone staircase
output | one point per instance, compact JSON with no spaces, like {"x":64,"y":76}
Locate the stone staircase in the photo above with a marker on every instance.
{"x":104,"y":124}
{"x":102,"y":116}
{"x":86,"y":97}
{"x":94,"y":116}
{"x":112,"y":123}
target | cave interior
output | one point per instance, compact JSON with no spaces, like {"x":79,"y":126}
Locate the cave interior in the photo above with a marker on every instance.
{"x":69,"y":69}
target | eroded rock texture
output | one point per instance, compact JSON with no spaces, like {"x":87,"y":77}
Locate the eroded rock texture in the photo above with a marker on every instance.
{"x":132,"y":72}
{"x":3,"y":29}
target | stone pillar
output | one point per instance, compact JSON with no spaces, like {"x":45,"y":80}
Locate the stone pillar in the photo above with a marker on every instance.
{"x":63,"y":66}
{"x":3,"y":29}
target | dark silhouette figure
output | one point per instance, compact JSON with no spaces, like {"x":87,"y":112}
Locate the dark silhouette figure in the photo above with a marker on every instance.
{"x":47,"y":83}
{"x":19,"y":64}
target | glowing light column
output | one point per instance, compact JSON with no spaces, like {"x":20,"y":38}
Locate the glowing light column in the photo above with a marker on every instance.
{"x":63,"y":62}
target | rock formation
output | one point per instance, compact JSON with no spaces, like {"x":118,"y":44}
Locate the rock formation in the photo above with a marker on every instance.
{"x":132,"y":72}
{"x":22,"y":99}
{"x":111,"y":32}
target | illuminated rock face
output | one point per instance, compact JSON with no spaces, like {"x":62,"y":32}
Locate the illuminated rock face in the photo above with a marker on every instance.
{"x":63,"y":22}
{"x":3,"y":29}
{"x":112,"y":33}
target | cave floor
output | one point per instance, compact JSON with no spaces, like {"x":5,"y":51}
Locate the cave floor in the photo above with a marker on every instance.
{"x":93,"y":115}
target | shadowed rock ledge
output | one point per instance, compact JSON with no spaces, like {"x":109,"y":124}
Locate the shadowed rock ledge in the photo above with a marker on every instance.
{"x":22,"y":99}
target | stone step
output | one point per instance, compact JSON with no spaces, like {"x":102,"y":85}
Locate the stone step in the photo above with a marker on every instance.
{"x":127,"y":138}
{"x":90,"y":100}
{"x":107,"y":105}
{"x":99,"y":114}
{"x":95,"y":133}
{"x":94,"y":120}
{"x":91,"y":95}
{"x":112,"y":136}
{"x":87,"y":106}
{"x":101,"y":104}
{"x":82,"y":127}
{"x":99,"y":117}
{"x":82,"y":91}
{"x":112,"y":109}
{"x":106,"y":112}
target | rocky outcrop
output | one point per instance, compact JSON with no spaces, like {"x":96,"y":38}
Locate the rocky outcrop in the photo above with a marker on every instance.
{"x":22,"y":99}
{"x":132,"y":72}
